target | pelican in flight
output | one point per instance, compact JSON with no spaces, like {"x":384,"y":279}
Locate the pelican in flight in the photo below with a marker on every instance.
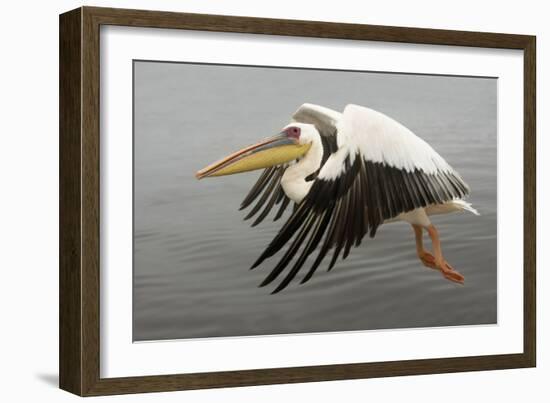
{"x":347,"y":174}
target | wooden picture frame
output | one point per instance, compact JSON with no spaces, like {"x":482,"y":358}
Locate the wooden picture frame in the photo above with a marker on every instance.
{"x":79,"y":201}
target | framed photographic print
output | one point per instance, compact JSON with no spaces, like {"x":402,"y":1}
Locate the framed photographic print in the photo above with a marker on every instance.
{"x":379,"y":181}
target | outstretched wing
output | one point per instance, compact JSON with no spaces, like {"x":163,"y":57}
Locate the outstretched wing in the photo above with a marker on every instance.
{"x":268,"y":184}
{"x":381,"y":170}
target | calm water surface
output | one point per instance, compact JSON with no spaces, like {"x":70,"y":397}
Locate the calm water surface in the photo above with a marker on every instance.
{"x":192,"y":249}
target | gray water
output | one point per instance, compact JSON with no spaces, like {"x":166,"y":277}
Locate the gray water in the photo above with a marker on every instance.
{"x":192,"y":249}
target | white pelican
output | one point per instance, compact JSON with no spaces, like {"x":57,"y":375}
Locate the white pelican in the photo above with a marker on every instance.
{"x":347,"y":173}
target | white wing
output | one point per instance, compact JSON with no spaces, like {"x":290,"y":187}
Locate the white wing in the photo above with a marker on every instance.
{"x":379,"y":138}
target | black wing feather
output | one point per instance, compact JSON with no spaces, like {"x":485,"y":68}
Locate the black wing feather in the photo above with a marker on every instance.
{"x":273,"y":183}
{"x":260,"y":184}
{"x":269,"y":183}
{"x":338,"y":213}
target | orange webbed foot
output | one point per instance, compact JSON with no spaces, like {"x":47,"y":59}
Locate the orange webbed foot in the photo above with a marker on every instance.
{"x":428,"y":260}
{"x":451,"y":274}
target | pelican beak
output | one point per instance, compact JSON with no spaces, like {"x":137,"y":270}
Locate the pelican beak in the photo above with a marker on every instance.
{"x":272,"y":151}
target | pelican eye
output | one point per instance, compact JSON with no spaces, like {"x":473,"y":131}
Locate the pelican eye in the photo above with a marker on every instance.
{"x":293,"y":132}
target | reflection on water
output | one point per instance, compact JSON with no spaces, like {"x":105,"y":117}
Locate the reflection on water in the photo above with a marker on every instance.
{"x":193,"y":250}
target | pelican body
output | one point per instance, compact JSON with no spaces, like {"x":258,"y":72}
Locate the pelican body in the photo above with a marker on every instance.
{"x":347,"y":174}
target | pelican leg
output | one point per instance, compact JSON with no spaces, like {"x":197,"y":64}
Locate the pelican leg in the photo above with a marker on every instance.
{"x":440,"y":263}
{"x":425,"y":257}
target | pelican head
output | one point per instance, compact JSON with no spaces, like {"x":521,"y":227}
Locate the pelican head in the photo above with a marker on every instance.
{"x":292,"y":143}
